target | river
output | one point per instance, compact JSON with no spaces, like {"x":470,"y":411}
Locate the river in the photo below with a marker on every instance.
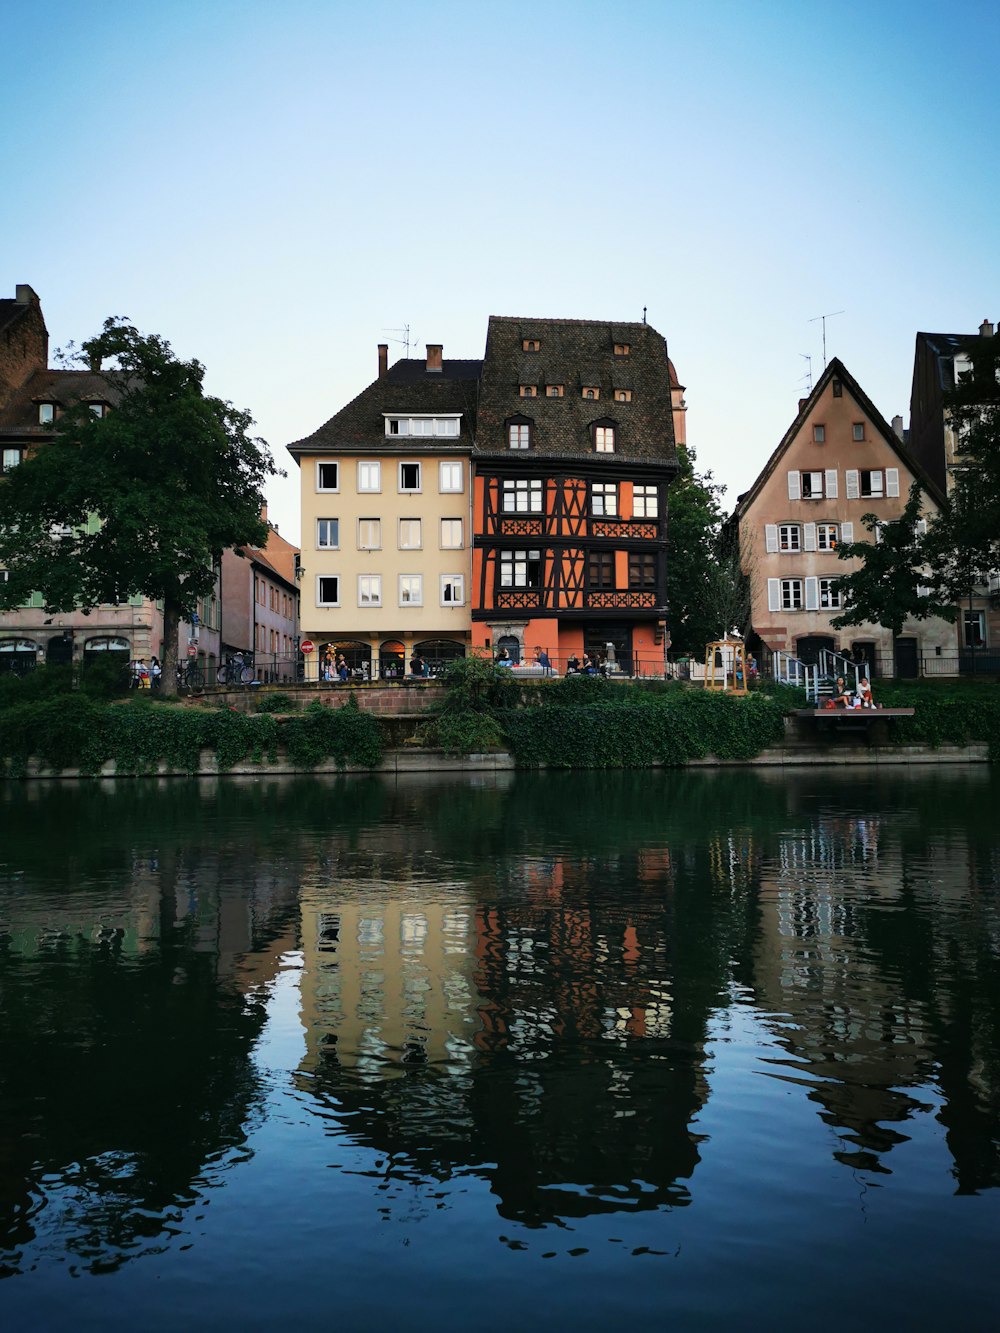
{"x":689,"y":1050}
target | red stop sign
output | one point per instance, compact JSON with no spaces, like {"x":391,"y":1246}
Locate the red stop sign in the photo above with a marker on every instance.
{"x":306,"y":645}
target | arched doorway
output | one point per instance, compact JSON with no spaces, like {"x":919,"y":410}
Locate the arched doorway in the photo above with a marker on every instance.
{"x":437,"y":653}
{"x":18,"y":656}
{"x":391,"y":660}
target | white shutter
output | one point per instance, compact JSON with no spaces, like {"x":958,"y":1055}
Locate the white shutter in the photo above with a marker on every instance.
{"x":831,"y":483}
{"x":812,"y":594}
{"x":853,"y":488}
{"x":809,"y":536}
{"x":891,"y":482}
{"x":770,"y":538}
{"x":774,"y":594}
{"x":794,"y":489}
{"x":847,"y":532}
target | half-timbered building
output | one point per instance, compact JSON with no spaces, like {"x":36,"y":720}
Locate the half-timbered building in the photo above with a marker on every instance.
{"x":574,"y":451}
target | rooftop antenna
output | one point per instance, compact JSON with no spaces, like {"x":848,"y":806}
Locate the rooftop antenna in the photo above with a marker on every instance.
{"x":824,"y":318}
{"x":406,"y":341}
{"x":808,"y":376}
{"x":643,"y":314}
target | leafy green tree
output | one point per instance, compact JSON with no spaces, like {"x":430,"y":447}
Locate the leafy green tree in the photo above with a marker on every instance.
{"x":705,"y":589}
{"x":893,"y":584}
{"x":140,"y":501}
{"x":964,"y":545}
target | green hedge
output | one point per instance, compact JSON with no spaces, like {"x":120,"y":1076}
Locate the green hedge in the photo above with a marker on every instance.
{"x":74,"y":731}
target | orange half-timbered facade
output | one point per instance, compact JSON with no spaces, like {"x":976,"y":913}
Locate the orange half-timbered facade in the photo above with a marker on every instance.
{"x":575,"y":450}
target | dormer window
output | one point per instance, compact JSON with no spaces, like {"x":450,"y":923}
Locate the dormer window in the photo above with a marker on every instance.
{"x":519,"y":433}
{"x":530,"y":345}
{"x":604,"y":437}
{"x":553,"y":390}
{"x":46,"y":414}
{"x":591,"y":392}
{"x":623,"y":395}
{"x":529,"y":390}
{"x":622,"y":349}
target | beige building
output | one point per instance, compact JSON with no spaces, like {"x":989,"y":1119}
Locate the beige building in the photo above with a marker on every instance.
{"x":385,"y":503}
{"x":838,"y":461}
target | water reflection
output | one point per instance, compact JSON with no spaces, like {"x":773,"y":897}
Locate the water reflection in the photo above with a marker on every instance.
{"x":524,"y":980}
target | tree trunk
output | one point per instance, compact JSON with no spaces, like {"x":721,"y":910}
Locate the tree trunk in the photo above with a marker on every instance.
{"x":171,"y":623}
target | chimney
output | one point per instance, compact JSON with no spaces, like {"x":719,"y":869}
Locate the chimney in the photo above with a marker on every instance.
{"x":383,"y":360}
{"x":434,"y":351}
{"x":985,"y":329}
{"x":897,"y":426}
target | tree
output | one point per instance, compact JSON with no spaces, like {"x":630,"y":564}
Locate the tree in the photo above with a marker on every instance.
{"x":893,"y":584}
{"x":142,"y":501}
{"x":706,"y":592}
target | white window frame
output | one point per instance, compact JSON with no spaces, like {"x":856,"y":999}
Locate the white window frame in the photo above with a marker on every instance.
{"x":645,"y":496}
{"x":376,"y":545}
{"x":369,"y":472}
{"x":321,"y":545}
{"x":319,"y":579}
{"x":411,"y":590}
{"x":320,"y":488}
{"x":447,"y":468}
{"x":456,"y":546}
{"x":457,"y":582}
{"x":410,"y":490}
{"x":410,"y":546}
{"x":369,"y":591}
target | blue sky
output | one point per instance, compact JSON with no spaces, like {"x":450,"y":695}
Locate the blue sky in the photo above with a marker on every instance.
{"x":275,"y":186}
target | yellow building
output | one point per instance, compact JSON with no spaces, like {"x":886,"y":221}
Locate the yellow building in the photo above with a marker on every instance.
{"x":385,"y":502}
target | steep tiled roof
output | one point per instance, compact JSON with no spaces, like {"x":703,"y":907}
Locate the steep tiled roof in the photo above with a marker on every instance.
{"x":577,"y":353}
{"x":408,"y":386}
{"x":63,"y":387}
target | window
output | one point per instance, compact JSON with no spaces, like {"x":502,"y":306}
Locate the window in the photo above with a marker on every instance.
{"x":791,"y":594}
{"x":411,"y":590}
{"x":369,"y":534}
{"x":520,"y":569}
{"x":452,"y":537}
{"x":622,"y":349}
{"x":46,"y":414}
{"x":826,"y":536}
{"x":328,"y":476}
{"x":858,"y":430}
{"x":623,"y":395}
{"x":641,"y":570}
{"x":604,"y":499}
{"x":529,"y":391}
{"x":974,"y":626}
{"x":829,"y":594}
{"x":409,"y":534}
{"x":872,"y":482}
{"x":11,"y":458}
{"x":452,"y":589}
{"x":645,"y":502}
{"x":819,"y":434}
{"x":554,"y":390}
{"x":789,"y":537}
{"x":451,"y":480}
{"x":328,"y":533}
{"x":328,"y":590}
{"x":369,"y":477}
{"x":531,"y":345}
{"x":409,"y":477}
{"x":601,"y":569}
{"x":369,"y":590}
{"x":604,"y":439}
{"x":591,"y":392}
{"x":522,"y":496}
{"x":519,"y":434}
